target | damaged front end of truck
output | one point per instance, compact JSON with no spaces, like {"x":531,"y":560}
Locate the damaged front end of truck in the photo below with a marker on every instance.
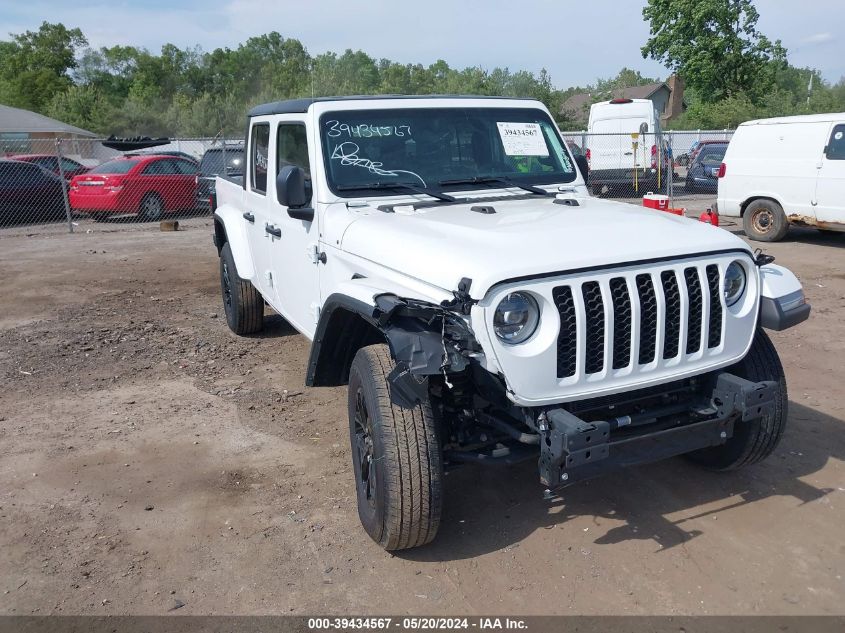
{"x":438,"y":357}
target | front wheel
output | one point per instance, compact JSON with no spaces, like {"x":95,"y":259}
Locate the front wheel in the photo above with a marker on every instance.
{"x":396,"y":457}
{"x":765,"y":221}
{"x":753,"y":440}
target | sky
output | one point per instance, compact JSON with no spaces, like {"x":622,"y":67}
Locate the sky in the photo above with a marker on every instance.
{"x":575,"y":41}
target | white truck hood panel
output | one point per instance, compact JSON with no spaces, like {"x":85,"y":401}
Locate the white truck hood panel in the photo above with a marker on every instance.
{"x":440,"y":245}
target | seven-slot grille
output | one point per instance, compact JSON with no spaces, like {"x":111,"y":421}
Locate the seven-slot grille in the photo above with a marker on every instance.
{"x":680,"y":292}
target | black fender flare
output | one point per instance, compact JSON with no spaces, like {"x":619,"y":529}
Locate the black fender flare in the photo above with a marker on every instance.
{"x":422,"y":339}
{"x":319,"y":352}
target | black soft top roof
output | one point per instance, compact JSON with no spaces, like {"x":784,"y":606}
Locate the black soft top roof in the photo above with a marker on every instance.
{"x":292,"y":106}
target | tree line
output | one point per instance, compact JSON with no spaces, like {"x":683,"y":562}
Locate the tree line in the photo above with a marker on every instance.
{"x":733,"y":73}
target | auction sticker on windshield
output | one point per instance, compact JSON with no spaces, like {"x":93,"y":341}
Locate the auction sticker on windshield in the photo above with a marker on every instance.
{"x":522,"y":139}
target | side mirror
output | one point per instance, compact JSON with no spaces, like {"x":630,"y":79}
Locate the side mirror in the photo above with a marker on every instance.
{"x":293,"y":190}
{"x":583,"y":167}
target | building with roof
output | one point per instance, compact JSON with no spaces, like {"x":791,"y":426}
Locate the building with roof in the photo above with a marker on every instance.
{"x":667,"y":96}
{"x":23,"y":132}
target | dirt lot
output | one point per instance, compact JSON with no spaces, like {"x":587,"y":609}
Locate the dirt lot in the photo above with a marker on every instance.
{"x":151,"y":461}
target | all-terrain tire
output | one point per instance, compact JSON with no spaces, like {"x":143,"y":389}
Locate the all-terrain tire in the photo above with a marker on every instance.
{"x":396,"y":457}
{"x":753,"y":440}
{"x":243,"y":304}
{"x":765,"y":221}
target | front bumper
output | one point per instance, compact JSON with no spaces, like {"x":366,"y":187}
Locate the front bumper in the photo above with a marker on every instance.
{"x":572,"y":449}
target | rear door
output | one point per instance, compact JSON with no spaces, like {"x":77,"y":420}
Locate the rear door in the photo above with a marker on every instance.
{"x":15,"y":186}
{"x":158,"y":177}
{"x":830,"y":182}
{"x":606,"y":145}
{"x":260,"y":231}
{"x":641,"y":158}
{"x":185,"y":185}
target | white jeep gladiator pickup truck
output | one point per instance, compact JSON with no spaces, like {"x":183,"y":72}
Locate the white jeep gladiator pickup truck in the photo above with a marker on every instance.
{"x":444,"y":258}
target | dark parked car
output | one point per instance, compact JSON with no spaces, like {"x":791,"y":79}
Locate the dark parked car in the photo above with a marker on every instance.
{"x":697,"y":147}
{"x":50,"y":162}
{"x":703,"y":172}
{"x":211,"y":166}
{"x":29,"y":192}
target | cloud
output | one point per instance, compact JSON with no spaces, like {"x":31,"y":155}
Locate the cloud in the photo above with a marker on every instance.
{"x":818,"y":38}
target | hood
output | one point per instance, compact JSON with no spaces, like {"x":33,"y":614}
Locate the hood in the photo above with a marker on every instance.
{"x":441,"y":244}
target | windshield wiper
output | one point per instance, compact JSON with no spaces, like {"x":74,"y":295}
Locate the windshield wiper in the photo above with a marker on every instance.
{"x":489,"y":180}
{"x":399,"y":185}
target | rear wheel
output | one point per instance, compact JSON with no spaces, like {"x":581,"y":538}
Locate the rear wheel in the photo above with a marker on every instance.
{"x":396,"y":457}
{"x":765,"y":221}
{"x":152,"y":207}
{"x":243,"y":304}
{"x":753,"y":440}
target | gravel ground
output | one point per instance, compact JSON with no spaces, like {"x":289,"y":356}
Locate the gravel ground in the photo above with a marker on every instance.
{"x":151,"y":461}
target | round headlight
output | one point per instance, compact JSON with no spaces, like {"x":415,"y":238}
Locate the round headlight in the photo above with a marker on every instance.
{"x":516,"y":318}
{"x":734,"y":283}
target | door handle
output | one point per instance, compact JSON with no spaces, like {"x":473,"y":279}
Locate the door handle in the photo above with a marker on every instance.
{"x":249,"y":217}
{"x":272,"y":230}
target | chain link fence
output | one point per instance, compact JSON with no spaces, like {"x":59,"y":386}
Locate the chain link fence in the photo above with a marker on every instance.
{"x":683,"y":165}
{"x":70,"y":182}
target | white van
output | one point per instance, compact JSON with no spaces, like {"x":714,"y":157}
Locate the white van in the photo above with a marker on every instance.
{"x":789,"y":170}
{"x":609,"y":145}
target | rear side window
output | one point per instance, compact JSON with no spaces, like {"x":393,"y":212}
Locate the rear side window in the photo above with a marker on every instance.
{"x":184,"y":167}
{"x":159,"y":168}
{"x":11,"y":172}
{"x":115,"y":167}
{"x":260,"y":149}
{"x":46,"y":163}
{"x":836,"y":146}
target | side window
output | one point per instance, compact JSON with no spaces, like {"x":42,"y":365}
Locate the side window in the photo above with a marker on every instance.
{"x":32,"y":173}
{"x":46,"y":163}
{"x":69,"y":165}
{"x":836,"y":146}
{"x":156,"y":168}
{"x":14,"y":173}
{"x":260,"y":150}
{"x":292,"y":147}
{"x":184,"y":167}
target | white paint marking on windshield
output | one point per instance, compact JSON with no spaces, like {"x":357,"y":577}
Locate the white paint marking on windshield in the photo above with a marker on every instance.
{"x":347,"y":154}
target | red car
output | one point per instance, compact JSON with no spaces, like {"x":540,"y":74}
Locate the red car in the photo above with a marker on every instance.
{"x":148,"y":186}
{"x":50,"y":162}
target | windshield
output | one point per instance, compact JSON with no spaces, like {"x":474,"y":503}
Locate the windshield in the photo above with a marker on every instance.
{"x":212,"y":162}
{"x":434,"y":147}
{"x":114,"y":167}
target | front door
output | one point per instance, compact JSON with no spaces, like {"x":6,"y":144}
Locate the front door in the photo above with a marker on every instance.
{"x":830,"y":182}
{"x":294,"y":253}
